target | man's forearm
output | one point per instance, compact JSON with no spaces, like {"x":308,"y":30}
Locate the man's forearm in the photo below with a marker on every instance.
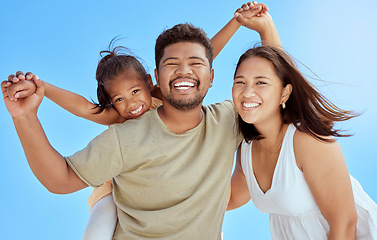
{"x":46,"y":163}
{"x":223,"y":36}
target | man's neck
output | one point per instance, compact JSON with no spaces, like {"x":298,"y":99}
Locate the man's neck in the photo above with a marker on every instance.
{"x":180,"y":121}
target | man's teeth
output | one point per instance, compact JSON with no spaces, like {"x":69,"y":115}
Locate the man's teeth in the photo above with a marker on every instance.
{"x":137,"y":110}
{"x":184,"y":85}
{"x":251,"y":105}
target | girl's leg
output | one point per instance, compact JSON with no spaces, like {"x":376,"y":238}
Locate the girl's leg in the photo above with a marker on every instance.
{"x":102,"y":220}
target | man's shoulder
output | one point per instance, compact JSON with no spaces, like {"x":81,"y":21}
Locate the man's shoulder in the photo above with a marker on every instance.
{"x":226,"y":105}
{"x":147,"y":119}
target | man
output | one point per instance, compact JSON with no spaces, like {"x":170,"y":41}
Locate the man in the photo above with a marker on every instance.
{"x":171,"y":167}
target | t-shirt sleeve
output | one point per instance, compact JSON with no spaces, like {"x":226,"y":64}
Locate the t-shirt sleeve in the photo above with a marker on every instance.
{"x":230,"y":105}
{"x":100,"y":161}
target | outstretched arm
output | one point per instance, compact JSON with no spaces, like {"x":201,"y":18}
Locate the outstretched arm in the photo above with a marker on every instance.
{"x":81,"y":107}
{"x":46,"y":163}
{"x":72,"y":102}
{"x":224,"y":35}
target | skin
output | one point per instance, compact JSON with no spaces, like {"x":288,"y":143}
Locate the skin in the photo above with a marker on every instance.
{"x":49,"y":166}
{"x":184,"y":77}
{"x":46,"y":163}
{"x":52,"y":170}
{"x":322,"y":163}
{"x":130,"y":95}
{"x":81,"y":107}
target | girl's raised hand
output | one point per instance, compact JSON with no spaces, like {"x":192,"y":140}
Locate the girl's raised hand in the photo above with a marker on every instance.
{"x":21,"y":86}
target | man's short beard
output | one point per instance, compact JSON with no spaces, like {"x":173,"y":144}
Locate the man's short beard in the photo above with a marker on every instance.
{"x":184,"y":104}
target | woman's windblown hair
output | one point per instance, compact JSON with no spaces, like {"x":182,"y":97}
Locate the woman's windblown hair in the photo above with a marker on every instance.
{"x":306,"y":108}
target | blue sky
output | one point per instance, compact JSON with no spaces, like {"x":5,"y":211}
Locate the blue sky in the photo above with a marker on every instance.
{"x":61,"y":40}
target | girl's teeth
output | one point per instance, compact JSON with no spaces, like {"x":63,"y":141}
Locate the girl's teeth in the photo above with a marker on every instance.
{"x":137,"y":110}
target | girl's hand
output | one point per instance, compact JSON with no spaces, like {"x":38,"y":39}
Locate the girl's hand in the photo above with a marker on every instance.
{"x":24,"y":106}
{"x":21,"y":87}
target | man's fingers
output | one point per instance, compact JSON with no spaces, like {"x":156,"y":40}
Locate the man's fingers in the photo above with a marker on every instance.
{"x":4,"y":86}
{"x":250,"y":13}
{"x":19,"y":73}
{"x":245,"y":6}
{"x":12,"y":78}
{"x":29,"y":75}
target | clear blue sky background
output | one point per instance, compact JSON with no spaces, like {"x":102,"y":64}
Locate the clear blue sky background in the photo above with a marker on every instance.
{"x":60,"y":41}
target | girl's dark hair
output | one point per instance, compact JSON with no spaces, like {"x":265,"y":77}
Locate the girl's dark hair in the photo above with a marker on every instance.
{"x":306,"y":108}
{"x":114,"y":62}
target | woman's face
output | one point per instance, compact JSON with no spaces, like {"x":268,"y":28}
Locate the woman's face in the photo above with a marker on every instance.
{"x":258,"y":91}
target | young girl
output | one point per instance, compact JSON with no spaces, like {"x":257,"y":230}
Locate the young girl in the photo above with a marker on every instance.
{"x":289,"y":164}
{"x":124,"y":92}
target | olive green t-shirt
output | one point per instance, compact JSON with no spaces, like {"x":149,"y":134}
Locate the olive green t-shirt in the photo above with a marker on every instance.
{"x":166,"y":185}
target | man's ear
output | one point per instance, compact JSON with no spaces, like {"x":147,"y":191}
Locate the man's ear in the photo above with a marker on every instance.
{"x":212,"y":76}
{"x":156,"y":77}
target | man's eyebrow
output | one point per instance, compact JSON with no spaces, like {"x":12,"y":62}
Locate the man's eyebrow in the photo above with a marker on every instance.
{"x":170,"y":58}
{"x":175,"y":58}
{"x":195,"y":57}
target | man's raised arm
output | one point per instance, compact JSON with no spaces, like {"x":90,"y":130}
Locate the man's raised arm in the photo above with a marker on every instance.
{"x":261,"y":22}
{"x":46,"y":163}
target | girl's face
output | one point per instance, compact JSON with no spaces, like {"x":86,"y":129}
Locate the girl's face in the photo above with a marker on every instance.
{"x":258,"y":91}
{"x":129,"y":94}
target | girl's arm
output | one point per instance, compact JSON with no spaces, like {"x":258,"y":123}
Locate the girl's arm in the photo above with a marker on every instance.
{"x":72,"y":102}
{"x":239,"y":190}
{"x":326,"y":173}
{"x":80,"y":106}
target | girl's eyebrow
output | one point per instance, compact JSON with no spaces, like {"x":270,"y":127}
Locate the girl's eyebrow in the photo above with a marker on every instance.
{"x":111,"y":97}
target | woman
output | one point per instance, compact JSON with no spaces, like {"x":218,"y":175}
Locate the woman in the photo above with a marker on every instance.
{"x":289,"y":164}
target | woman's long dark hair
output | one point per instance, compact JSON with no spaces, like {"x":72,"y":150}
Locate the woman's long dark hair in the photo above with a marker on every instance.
{"x":306,"y":108}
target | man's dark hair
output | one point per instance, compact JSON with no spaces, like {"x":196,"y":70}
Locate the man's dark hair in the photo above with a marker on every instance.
{"x":182,"y":33}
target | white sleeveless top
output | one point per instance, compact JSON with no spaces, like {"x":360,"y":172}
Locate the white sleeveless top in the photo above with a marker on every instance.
{"x":293,"y":211}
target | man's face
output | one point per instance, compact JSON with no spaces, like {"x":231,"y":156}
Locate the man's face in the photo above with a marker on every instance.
{"x":184,"y":75}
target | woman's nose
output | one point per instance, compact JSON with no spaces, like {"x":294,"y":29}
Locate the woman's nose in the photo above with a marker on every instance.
{"x":249,"y":91}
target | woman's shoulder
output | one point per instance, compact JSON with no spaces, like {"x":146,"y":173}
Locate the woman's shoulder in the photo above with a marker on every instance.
{"x":308,"y":148}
